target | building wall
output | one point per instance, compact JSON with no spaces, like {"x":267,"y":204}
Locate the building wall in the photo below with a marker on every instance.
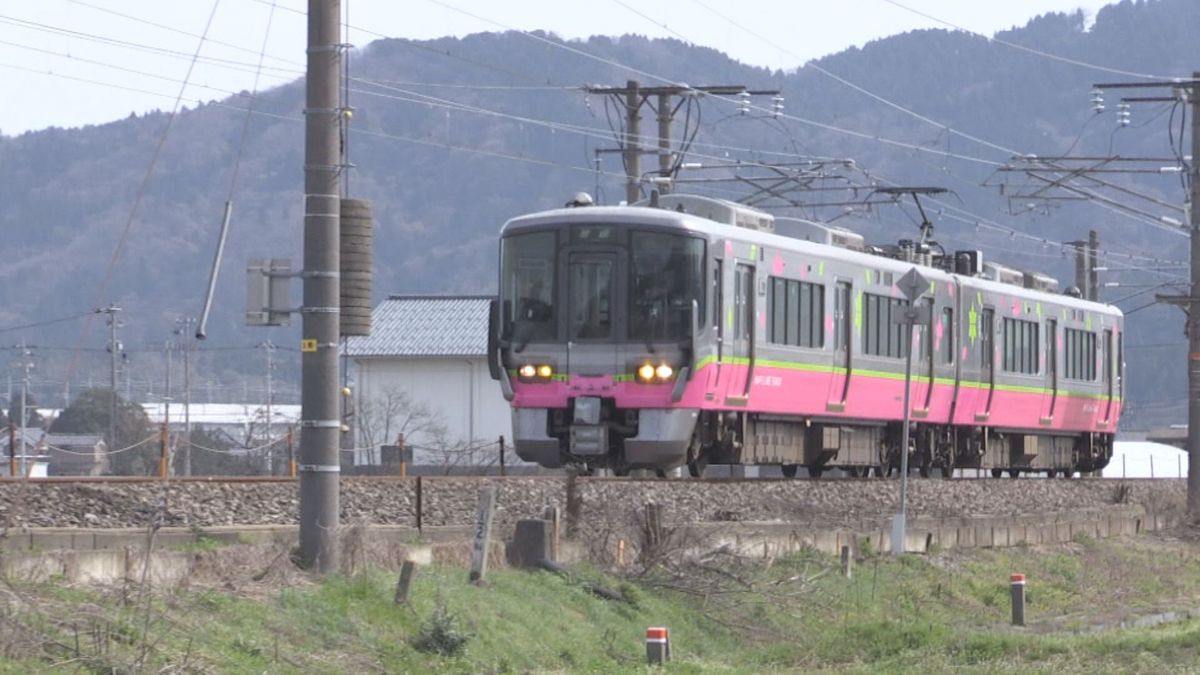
{"x":459,"y":390}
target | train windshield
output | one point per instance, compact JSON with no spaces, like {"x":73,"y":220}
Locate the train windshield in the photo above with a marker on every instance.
{"x":666,"y":276}
{"x":527,"y":262}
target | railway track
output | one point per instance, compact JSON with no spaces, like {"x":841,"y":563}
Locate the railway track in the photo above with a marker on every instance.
{"x":117,"y":480}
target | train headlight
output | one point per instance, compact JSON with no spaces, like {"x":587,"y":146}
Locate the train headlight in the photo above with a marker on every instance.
{"x":545,"y":371}
{"x":646,"y":373}
{"x":664,"y":372}
{"x":527,"y":371}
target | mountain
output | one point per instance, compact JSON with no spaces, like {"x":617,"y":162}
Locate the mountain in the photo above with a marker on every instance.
{"x":444,"y":179}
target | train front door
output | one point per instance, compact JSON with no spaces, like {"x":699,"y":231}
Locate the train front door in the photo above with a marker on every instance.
{"x":741,"y":354}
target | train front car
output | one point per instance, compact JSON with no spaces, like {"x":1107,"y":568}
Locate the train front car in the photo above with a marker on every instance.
{"x":594,"y":335}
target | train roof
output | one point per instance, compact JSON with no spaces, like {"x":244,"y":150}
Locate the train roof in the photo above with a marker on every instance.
{"x":663,"y":217}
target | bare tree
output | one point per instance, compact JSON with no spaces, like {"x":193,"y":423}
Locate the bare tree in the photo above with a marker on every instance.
{"x":381,"y":419}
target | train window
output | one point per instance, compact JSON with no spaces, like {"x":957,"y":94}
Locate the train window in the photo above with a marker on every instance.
{"x":797,"y":313}
{"x":1079,"y":354}
{"x":1021,"y":346}
{"x":778,"y":304}
{"x":590,"y":304}
{"x":528,"y":285}
{"x":882,"y":336}
{"x":947,"y":337}
{"x":667,"y":275}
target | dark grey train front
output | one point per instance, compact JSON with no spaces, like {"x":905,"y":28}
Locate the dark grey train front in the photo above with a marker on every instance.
{"x":594,"y":335}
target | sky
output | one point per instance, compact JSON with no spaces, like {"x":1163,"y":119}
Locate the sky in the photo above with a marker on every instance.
{"x":78,"y":62}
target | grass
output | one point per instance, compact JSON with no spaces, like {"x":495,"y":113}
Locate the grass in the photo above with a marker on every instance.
{"x":941,"y":613}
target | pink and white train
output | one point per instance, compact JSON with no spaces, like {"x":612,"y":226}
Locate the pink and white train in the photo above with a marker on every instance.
{"x":698,"y":332}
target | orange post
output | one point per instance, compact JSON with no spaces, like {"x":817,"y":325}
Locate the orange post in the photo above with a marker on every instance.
{"x":291,"y":455}
{"x":163,"y":440}
{"x":400,"y":450}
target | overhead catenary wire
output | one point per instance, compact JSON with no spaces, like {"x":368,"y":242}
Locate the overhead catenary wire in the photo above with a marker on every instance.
{"x":106,"y":279}
{"x":1031,"y":50}
{"x":589,"y":169}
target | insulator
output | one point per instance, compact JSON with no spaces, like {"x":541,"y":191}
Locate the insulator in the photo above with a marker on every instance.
{"x":1098,"y":100}
{"x":744,"y":102}
{"x":1123,"y":114}
{"x":777,"y":105}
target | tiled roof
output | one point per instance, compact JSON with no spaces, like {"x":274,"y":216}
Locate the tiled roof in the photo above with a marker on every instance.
{"x":426,"y":325}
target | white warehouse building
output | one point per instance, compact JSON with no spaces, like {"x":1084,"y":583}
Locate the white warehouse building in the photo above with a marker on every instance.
{"x":423,"y":373}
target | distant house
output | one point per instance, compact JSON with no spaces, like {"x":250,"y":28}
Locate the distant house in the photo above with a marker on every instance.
{"x":423,"y":372}
{"x":23,"y":447}
{"x":76,"y":454}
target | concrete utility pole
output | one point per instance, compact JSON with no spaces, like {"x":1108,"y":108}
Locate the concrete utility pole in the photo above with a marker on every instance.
{"x":319,"y":395}
{"x":26,"y":365}
{"x":633,"y":142}
{"x":167,"y":391}
{"x":1093,"y":278}
{"x":113,"y":348}
{"x":1186,"y":92}
{"x":1193,"y":502}
{"x":186,"y":333}
{"x":632,"y":97}
{"x":269,"y":348}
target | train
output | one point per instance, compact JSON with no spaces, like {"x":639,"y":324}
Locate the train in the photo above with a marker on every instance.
{"x":687,"y":331}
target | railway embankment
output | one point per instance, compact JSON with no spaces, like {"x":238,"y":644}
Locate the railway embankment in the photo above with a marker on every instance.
{"x":584,"y":503}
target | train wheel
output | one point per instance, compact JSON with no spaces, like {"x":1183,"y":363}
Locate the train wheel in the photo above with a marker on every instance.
{"x":696,"y":469}
{"x":996,"y":473}
{"x":789,"y":470}
{"x":621,"y":471}
{"x":661,"y":473}
{"x":1014,"y":473}
{"x":815,"y":471}
{"x":924,"y":470}
{"x":856,"y":471}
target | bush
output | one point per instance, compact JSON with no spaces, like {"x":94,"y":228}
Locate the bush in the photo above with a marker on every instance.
{"x":441,"y":634}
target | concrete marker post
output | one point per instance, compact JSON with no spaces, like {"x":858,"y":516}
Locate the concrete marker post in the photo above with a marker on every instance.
{"x":1018,"y":599}
{"x":407,"y":571}
{"x":483,"y":534}
{"x":658,"y":645}
{"x":847,"y":563}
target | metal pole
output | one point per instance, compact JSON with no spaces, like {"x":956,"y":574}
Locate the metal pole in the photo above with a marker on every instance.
{"x":633,"y":147}
{"x":1193,"y":314}
{"x":664,"y":141}
{"x":900,"y":526}
{"x":319,"y":395}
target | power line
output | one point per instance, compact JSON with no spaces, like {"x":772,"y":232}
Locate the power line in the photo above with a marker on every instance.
{"x":1030,"y":50}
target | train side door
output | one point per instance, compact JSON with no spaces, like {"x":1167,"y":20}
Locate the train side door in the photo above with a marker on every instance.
{"x":987,"y":363}
{"x":839,"y":384}
{"x":737,"y":387}
{"x":924,"y":358}
{"x":1106,"y":372}
{"x":1050,"y":398}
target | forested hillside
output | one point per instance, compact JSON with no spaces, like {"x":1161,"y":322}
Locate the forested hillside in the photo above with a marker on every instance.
{"x":447,"y":164}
